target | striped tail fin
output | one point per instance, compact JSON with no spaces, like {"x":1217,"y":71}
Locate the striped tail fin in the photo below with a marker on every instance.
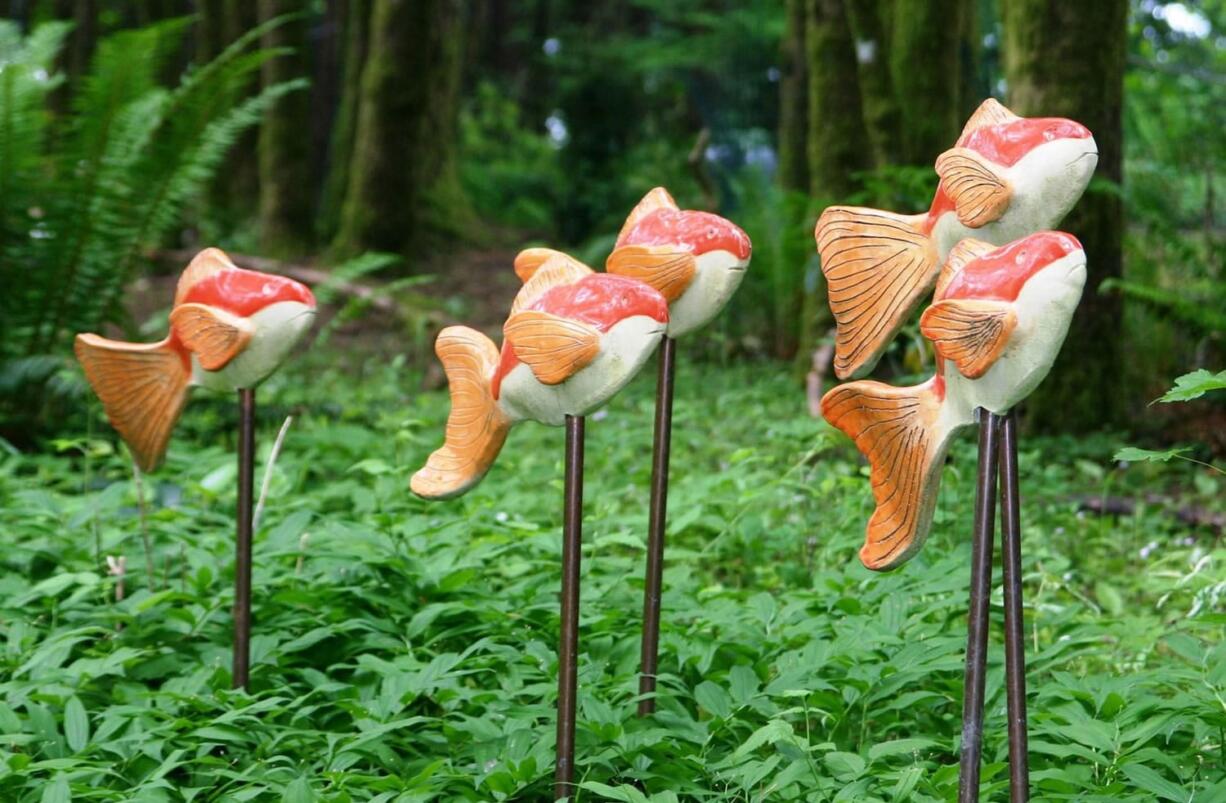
{"x":901,"y":432}
{"x":476,"y":428}
{"x":878,"y":265}
{"x":143,"y":387}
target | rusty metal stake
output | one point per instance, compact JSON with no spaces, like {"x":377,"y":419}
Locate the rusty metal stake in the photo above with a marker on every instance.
{"x":656,"y":520}
{"x":977,"y":619}
{"x":242,"y":557}
{"x":568,"y":647}
{"x":1015,"y":632}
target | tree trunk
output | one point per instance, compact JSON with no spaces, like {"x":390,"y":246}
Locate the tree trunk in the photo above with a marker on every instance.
{"x":837,"y":140}
{"x":1067,"y":60}
{"x":340,"y":147}
{"x":403,"y":193}
{"x":794,"y":102}
{"x":869,"y":22}
{"x":925,"y":43}
{"x":78,"y":49}
{"x":287,"y":186}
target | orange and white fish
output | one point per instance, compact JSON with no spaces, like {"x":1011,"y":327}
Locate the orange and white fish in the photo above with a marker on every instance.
{"x":695,"y":259}
{"x":574,"y":339}
{"x":999,"y":317}
{"x":1006,"y":177}
{"x":229,"y":329}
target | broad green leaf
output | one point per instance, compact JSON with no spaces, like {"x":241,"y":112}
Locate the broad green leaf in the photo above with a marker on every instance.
{"x":1152,"y":782}
{"x":1194,"y":385}
{"x":299,"y":791}
{"x":1132,"y":454}
{"x":76,"y":724}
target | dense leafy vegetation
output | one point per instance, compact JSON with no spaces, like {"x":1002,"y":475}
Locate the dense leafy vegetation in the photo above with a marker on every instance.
{"x":406,"y":651}
{"x":84,"y":193}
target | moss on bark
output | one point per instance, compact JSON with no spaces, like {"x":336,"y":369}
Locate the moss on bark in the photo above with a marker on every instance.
{"x":794,"y":102}
{"x":403,"y":193}
{"x":838,"y":144}
{"x":287,"y":186}
{"x":1061,"y":60}
{"x":925,"y":66}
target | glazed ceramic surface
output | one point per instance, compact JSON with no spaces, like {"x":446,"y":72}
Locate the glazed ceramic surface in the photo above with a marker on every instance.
{"x":997,"y":323}
{"x":695,"y":259}
{"x":229,"y":328}
{"x":574,"y":339}
{"x":1005,"y":178}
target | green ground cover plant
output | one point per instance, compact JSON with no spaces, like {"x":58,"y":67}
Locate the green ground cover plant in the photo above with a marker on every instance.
{"x":405,"y":651}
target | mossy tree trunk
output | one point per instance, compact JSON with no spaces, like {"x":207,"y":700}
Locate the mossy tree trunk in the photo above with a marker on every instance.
{"x":355,"y":24}
{"x":235,"y":192}
{"x":287,"y":185}
{"x":403,"y":193}
{"x":794,"y":102}
{"x":870,"y":26}
{"x":1061,"y":60}
{"x":926,"y":69}
{"x":837,"y":138}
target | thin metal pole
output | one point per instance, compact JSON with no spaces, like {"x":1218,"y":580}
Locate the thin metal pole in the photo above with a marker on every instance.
{"x":568,"y":647}
{"x":977,"y":619}
{"x":656,"y":520}
{"x":1015,"y":632}
{"x":242,"y":556}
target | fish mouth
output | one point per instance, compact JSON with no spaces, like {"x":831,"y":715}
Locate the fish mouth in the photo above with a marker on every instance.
{"x":1093,"y":153}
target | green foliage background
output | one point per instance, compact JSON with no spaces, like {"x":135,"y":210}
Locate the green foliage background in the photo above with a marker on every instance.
{"x":406,"y":651}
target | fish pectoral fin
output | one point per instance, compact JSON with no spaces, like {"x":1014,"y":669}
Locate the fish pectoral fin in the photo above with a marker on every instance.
{"x":545,"y":269}
{"x":555,"y":348}
{"x":213,"y":335}
{"x":979,"y":192}
{"x":666,"y":268}
{"x":969,"y":333}
{"x":965,"y":252}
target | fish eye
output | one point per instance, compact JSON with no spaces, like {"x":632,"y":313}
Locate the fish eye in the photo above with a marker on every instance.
{"x":711,"y":232}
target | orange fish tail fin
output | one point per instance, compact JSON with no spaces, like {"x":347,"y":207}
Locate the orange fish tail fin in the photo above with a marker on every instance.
{"x":476,"y":427}
{"x":904,"y":435}
{"x":878,"y":265}
{"x":143,"y":387}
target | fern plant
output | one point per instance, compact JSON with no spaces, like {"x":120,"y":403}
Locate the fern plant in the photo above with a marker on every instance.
{"x":83,"y":195}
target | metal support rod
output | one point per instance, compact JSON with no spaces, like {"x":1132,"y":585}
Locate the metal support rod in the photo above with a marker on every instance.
{"x":568,"y":647}
{"x":977,"y":619}
{"x":242,"y":556}
{"x":1015,"y":632}
{"x":656,"y":520}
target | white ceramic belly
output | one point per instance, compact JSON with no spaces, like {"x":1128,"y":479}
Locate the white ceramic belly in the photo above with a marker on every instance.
{"x":623,"y":350}
{"x":718,"y":276}
{"x":1044,"y":311}
{"x":278,"y":328}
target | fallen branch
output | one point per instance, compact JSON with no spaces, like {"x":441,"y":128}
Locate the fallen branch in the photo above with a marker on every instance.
{"x":1124,"y":506}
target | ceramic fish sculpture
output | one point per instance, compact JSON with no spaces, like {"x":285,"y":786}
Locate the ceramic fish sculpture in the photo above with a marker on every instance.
{"x":229,"y":328}
{"x":574,"y":339}
{"x":695,"y":259}
{"x":997,"y":321}
{"x":1005,"y":178}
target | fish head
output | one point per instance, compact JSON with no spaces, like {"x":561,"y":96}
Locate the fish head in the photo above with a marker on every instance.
{"x":604,"y":300}
{"x":1000,"y":274}
{"x":694,"y":232}
{"x":701,"y":258}
{"x":1052,"y":158}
